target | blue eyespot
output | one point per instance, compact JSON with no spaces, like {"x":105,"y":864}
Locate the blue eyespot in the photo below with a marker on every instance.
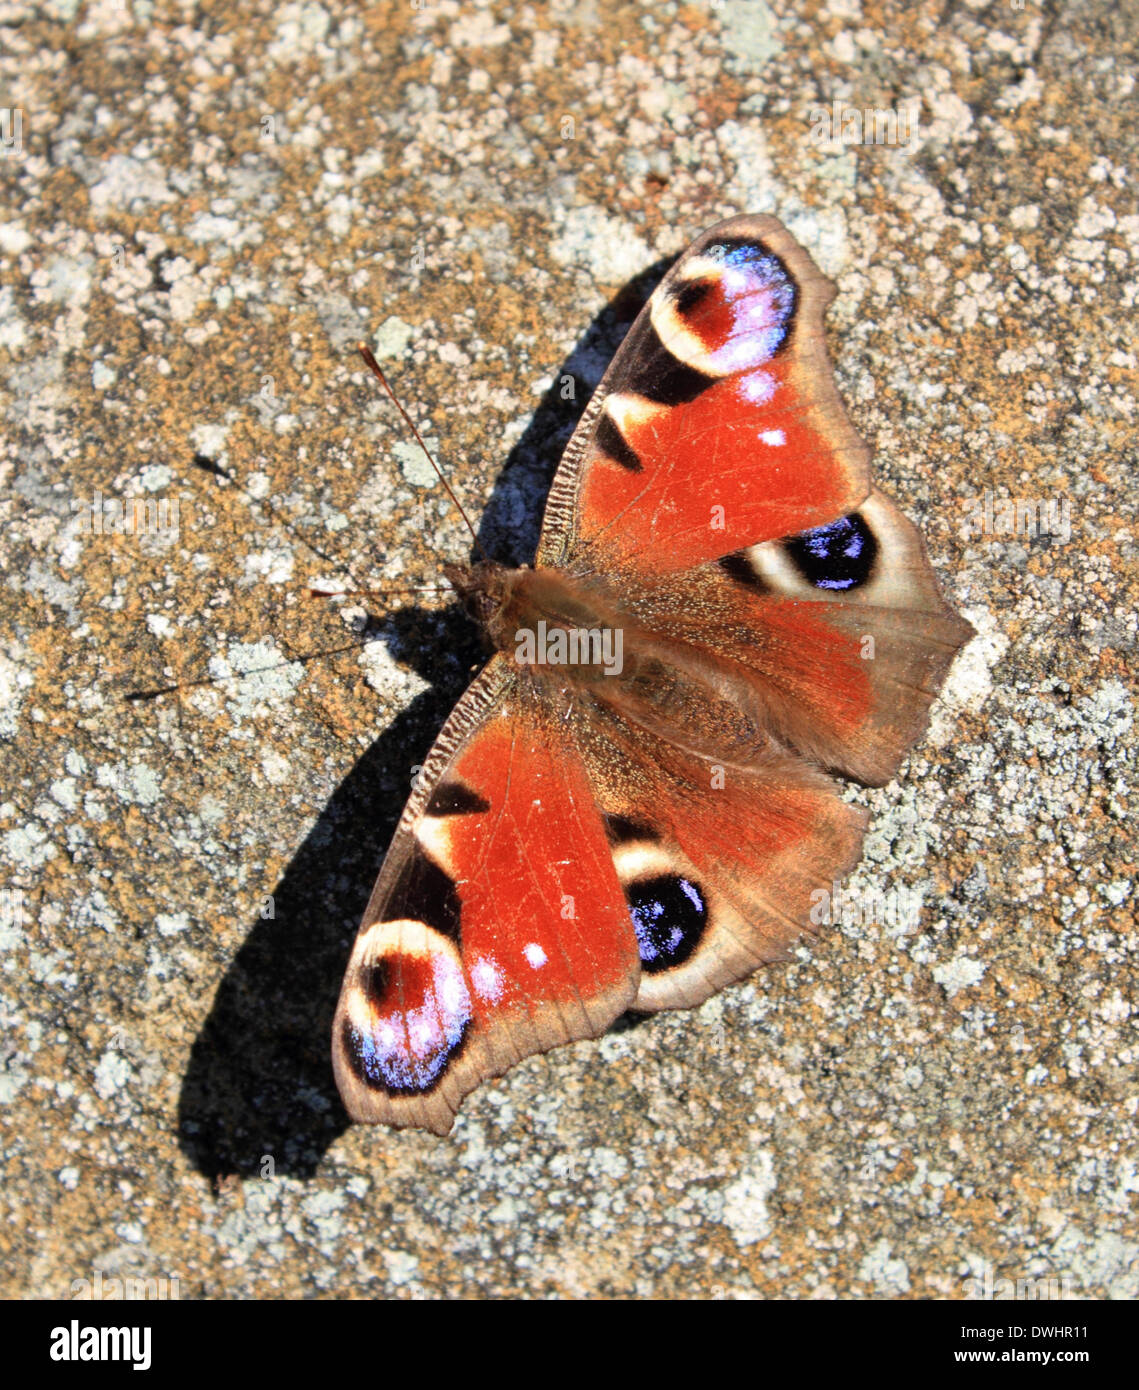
{"x":669,"y":916}
{"x":838,"y":556}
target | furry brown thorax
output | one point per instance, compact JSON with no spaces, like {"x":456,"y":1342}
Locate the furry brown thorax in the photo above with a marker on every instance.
{"x":506,"y":601}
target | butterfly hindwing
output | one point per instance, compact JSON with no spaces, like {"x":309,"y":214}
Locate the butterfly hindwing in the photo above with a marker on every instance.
{"x":836,"y":639}
{"x":718,"y":856}
{"x":855,"y":637}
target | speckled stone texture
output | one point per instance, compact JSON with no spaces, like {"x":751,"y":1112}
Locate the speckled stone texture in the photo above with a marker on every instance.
{"x":204,"y":205}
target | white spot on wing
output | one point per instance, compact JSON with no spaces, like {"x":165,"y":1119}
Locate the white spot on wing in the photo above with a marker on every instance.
{"x":486,"y":978}
{"x":736,"y":283}
{"x":452,"y":990}
{"x":534,"y":954}
{"x":757,"y":387}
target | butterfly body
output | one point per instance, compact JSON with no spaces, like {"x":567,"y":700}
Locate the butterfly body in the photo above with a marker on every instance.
{"x":631,"y":806}
{"x":583,"y":642}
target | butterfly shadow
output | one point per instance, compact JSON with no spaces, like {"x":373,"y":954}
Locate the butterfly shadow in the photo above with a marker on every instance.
{"x":258,"y":1097}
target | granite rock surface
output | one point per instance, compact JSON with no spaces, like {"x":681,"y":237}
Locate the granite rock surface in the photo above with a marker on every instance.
{"x":202,"y":207}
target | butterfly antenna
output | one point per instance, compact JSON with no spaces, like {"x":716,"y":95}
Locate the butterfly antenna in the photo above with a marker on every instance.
{"x":303,"y":658}
{"x":323,"y":591}
{"x":374,"y":367}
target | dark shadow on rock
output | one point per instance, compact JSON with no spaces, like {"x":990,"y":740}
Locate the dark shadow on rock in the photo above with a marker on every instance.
{"x":259,"y":1085}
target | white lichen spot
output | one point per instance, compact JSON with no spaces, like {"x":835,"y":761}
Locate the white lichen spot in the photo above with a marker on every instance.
{"x":752,"y":182}
{"x":951,"y":118}
{"x":745,"y":1201}
{"x":13,"y":238}
{"x":63,"y":790}
{"x":1115,"y":1009}
{"x":207,"y":226}
{"x":478,"y":30}
{"x":112,"y":1072}
{"x":277,"y":769}
{"x":322,"y":1210}
{"x":274,"y":565}
{"x":970,"y":680}
{"x":144,"y":783}
{"x":172,"y":923}
{"x":156,"y":477}
{"x":12,"y":1081}
{"x":1108,"y":713}
{"x":392,"y":338}
{"x":94,"y":910}
{"x":138,"y":783}
{"x":123,"y":183}
{"x":888,"y":1275}
{"x":749,"y":33}
{"x":384,"y":674}
{"x":609,"y":1163}
{"x":28,"y":846}
{"x":960,"y":973}
{"x":14,"y":681}
{"x":606,"y":246}
{"x":402,"y":1267}
{"x":13,"y":326}
{"x":367,"y":165}
{"x":209,"y":441}
{"x":260,"y":676}
{"x":300,"y":28}
{"x":414,"y":463}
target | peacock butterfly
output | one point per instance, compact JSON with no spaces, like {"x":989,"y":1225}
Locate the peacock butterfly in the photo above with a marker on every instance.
{"x":630,"y":806}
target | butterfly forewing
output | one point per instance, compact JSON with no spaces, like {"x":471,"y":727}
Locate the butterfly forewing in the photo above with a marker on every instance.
{"x":498,"y":927}
{"x":718,"y":424}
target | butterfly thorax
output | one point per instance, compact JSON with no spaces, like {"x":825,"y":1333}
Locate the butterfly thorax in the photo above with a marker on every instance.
{"x":544,"y":617}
